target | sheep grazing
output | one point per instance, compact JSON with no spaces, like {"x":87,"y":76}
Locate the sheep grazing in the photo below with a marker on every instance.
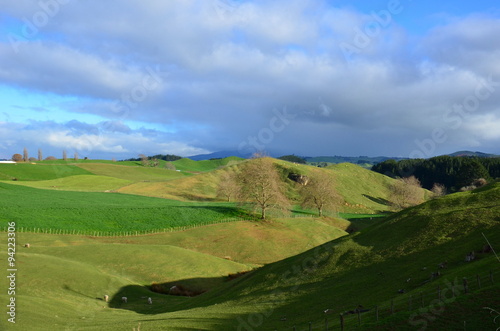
{"x":470,"y":256}
{"x":124,"y":299}
{"x":106,"y":298}
{"x":150,"y":301}
{"x":443,"y":265}
{"x":27,"y":245}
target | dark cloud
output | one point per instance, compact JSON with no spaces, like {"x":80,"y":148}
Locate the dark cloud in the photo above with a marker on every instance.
{"x":210,"y":75}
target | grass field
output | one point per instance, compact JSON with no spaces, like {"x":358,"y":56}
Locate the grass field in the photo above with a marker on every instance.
{"x":32,"y":172}
{"x":365,"y":268}
{"x":301,"y":266}
{"x":34,"y":208}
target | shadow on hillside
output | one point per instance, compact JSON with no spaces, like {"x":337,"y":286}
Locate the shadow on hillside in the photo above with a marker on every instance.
{"x":380,"y":201}
{"x":226,"y":212}
{"x":137,"y":296}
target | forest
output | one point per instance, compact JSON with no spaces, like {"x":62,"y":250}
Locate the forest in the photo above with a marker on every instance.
{"x":452,"y":172}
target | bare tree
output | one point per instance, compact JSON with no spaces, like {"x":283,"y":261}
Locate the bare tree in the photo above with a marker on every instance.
{"x":228,"y":187}
{"x":319,"y":192}
{"x":260,"y":185}
{"x":144,"y":160}
{"x":25,"y":155}
{"x":65,"y":155}
{"x":40,"y":155}
{"x":406,"y":192}
{"x":438,"y":190}
{"x":170,"y":166}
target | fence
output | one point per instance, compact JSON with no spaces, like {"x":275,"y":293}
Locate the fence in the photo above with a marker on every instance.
{"x":421,"y":304}
{"x":94,"y":233}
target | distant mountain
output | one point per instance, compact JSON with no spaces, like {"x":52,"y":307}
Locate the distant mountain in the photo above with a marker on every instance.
{"x":218,"y":155}
{"x":361,"y":160}
{"x":473,"y":154}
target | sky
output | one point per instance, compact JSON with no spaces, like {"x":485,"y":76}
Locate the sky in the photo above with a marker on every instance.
{"x":115,"y":79}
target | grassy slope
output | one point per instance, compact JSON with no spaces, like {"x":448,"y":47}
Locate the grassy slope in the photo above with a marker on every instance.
{"x":36,"y":208}
{"x":365,"y":268}
{"x":441,"y":230}
{"x":135,"y":174}
{"x":206,"y":165}
{"x":30,"y":172}
{"x":85,"y":183}
{"x":55,"y":272}
{"x":364,"y":191}
{"x":250,"y":242}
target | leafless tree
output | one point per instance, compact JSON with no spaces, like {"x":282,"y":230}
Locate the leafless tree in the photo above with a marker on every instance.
{"x":40,"y":155}
{"x":260,"y":184}
{"x":438,"y":190}
{"x":65,"y":155}
{"x":228,"y":187}
{"x":25,"y":155}
{"x":170,"y":166}
{"x":406,"y":192}
{"x":320,"y":193}
{"x":144,"y":160}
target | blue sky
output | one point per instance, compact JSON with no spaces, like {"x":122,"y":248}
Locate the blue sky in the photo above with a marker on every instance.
{"x":114,"y":79}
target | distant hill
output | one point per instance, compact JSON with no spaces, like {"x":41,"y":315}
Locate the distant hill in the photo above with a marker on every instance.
{"x":473,"y":154}
{"x":219,"y":155}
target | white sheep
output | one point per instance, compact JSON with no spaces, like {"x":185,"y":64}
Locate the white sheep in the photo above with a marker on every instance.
{"x":106,"y":298}
{"x":27,"y":245}
{"x":150,"y":301}
{"x":124,"y":299}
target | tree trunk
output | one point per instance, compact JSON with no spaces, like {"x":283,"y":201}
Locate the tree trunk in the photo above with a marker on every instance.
{"x":263,"y":213}
{"x":320,"y":212}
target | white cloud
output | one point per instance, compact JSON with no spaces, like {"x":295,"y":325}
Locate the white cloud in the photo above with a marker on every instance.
{"x":224,"y":66}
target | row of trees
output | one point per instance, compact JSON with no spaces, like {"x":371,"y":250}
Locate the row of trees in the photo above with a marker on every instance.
{"x":26,"y":158}
{"x":452,"y":172}
{"x":260,"y":184}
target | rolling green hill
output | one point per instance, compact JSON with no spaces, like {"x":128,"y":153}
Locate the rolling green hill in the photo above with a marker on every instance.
{"x":94,"y":211}
{"x":205,"y":165}
{"x":32,"y":172}
{"x":85,"y":183}
{"x":363,"y":191}
{"x":367,"y":268}
{"x":131,"y":173}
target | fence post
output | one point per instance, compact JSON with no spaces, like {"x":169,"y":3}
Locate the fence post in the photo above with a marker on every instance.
{"x":341,"y":322}
{"x":478,"y":281}
{"x":465,"y":285}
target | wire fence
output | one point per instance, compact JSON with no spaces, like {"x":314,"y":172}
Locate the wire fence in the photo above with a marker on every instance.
{"x":94,"y":233}
{"x":420,"y":305}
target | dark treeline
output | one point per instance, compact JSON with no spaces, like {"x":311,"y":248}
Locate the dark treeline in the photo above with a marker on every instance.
{"x":453,"y":172}
{"x":167,"y":157}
